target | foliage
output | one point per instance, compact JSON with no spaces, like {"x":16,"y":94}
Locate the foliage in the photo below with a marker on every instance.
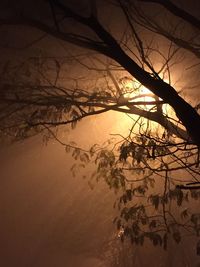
{"x":139,"y":70}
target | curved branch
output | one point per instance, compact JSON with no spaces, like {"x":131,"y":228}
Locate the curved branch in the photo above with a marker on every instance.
{"x":185,"y":112}
{"x":177,"y":11}
{"x":125,"y":107}
{"x":68,"y":37}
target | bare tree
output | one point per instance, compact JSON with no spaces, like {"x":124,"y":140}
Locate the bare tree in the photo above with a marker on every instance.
{"x":129,"y":66}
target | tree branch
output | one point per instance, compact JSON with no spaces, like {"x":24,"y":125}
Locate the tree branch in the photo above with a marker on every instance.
{"x":175,"y":10}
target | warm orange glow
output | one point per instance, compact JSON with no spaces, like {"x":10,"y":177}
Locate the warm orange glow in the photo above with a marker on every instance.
{"x":138,"y":94}
{"x":134,"y":92}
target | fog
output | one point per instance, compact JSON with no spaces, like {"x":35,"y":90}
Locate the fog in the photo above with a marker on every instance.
{"x":49,"y":218}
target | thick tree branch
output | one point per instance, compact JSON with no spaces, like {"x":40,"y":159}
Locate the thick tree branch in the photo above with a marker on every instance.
{"x":175,"y":10}
{"x":187,"y":114}
{"x":68,"y":37}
